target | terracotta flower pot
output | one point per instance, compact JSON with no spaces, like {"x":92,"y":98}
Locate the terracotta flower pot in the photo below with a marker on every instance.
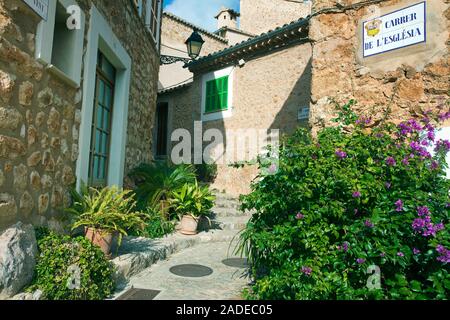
{"x":189,"y":225}
{"x":102,"y":239}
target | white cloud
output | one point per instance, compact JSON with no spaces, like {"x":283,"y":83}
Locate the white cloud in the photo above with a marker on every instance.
{"x":200,"y":12}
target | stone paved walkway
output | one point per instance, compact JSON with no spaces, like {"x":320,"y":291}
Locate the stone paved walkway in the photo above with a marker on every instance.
{"x":225,"y":283}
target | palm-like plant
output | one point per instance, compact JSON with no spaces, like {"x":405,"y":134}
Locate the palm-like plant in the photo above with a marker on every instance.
{"x":193,"y":200}
{"x":110,"y":210}
{"x":157,"y":180}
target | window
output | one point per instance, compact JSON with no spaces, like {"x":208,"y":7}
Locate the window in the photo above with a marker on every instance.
{"x":217,"y":95}
{"x":58,"y":46}
{"x":101,"y":122}
{"x":162,"y":114}
{"x":153,"y":17}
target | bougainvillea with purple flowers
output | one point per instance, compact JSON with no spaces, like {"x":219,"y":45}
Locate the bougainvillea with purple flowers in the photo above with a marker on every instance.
{"x":370,"y":195}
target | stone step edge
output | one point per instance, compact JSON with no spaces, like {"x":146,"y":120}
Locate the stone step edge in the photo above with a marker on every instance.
{"x":130,"y":264}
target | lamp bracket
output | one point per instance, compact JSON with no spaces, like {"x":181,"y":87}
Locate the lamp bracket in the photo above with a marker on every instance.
{"x":171,"y":59}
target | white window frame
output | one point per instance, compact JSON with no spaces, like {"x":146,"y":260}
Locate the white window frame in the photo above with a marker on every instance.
{"x":101,"y":37}
{"x":212,"y":76}
{"x":157,"y":15}
{"x":138,"y":4}
{"x":44,"y":44}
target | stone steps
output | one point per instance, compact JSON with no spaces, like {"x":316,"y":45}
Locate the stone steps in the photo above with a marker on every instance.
{"x":137,"y":254}
{"x":233,"y":223}
{"x":228,"y":212}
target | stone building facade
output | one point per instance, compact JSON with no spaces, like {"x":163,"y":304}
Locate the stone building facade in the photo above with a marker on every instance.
{"x":258,"y":16}
{"x":48,"y":84}
{"x":268,"y":78}
{"x":282,"y":84}
{"x":174,"y":32}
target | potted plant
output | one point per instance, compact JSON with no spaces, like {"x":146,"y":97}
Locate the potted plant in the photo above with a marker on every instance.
{"x":191,"y":202}
{"x":106,"y":215}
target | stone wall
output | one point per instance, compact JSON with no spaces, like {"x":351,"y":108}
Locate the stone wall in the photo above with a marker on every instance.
{"x":263,"y":15}
{"x":393,"y":85}
{"x":268,"y":93}
{"x":40,"y":114}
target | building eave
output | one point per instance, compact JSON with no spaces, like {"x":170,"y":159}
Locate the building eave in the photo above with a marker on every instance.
{"x":281,"y":36}
{"x":235,"y":30}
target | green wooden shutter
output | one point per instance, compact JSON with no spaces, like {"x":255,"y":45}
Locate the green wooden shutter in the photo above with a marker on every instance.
{"x":217,"y":95}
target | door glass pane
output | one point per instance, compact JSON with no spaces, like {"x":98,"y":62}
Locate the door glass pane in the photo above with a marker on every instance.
{"x":97,"y":141}
{"x":101,"y":92}
{"x":106,"y":120}
{"x":99,"y":116}
{"x":102,"y":174}
{"x":108,"y":97}
{"x":95,"y":171}
{"x":109,"y":70}
{"x":104,"y":143}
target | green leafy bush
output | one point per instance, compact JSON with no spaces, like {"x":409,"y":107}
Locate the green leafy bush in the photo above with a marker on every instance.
{"x":71,"y":269}
{"x":157,"y":180}
{"x":205,"y":172}
{"x":347,"y":203}
{"x":156,"y":225}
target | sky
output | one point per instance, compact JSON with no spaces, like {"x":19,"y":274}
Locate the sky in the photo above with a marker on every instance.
{"x":199,"y":12}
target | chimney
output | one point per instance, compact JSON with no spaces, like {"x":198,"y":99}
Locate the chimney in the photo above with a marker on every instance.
{"x":227,"y":18}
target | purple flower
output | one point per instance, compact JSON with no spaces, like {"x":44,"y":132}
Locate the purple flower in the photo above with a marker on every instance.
{"x":444,"y":116}
{"x":434,"y":165}
{"x":345,"y":246}
{"x":400,"y":254}
{"x":307,"y":271}
{"x":418,"y":224}
{"x":423,"y":211}
{"x":273,"y":168}
{"x":356,"y":194}
{"x":369,"y":224}
{"x":341,"y":154}
{"x":404,"y":129}
{"x":447,"y":205}
{"x":360,"y":260}
{"x":399,"y":205}
{"x":383,"y":254}
{"x":431,"y":135}
{"x":416,"y":251}
{"x":444,"y":254}
{"x":415,"y":146}
{"x":388,"y":185}
{"x":440,"y":249}
{"x":299,"y":216}
{"x":442,"y":144}
{"x":405,"y":162}
{"x":414,"y":125}
{"x":390,"y":161}
{"x":439,"y":227}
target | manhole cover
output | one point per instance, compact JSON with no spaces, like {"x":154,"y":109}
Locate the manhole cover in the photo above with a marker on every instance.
{"x":139,"y":294}
{"x":236,"y":262}
{"x":191,"y":270}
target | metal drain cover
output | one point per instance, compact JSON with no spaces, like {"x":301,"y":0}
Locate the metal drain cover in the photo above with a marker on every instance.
{"x":191,"y":270}
{"x":236,"y":263}
{"x":139,"y":294}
